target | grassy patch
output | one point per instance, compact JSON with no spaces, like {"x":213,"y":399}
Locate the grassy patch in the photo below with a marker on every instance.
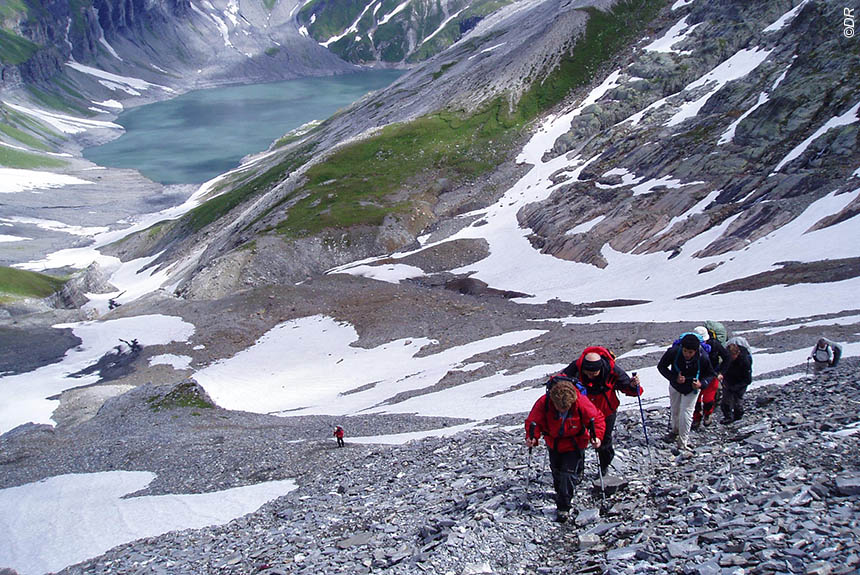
{"x":269,"y":4}
{"x":442,"y":69}
{"x":56,"y":102}
{"x":331,"y":18}
{"x":22,"y":283}
{"x":272,"y":50}
{"x":185,"y":394}
{"x":12,"y":158}
{"x":606,"y":33}
{"x":351,"y":186}
{"x":9,"y":8}
{"x":208,"y":212}
{"x":14,"y":49}
{"x":357,"y":183}
{"x":23,"y":137}
{"x":15,"y":118}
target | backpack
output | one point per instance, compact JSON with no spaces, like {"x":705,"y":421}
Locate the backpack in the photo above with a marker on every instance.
{"x":742,"y":343}
{"x":717,"y":331}
{"x":705,"y":347}
{"x":560,"y":376}
{"x":608,"y":356}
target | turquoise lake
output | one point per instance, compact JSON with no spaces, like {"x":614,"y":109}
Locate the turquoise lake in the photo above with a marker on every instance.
{"x":196,"y":136}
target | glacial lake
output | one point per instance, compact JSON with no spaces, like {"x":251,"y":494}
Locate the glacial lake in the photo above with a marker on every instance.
{"x":196,"y":136}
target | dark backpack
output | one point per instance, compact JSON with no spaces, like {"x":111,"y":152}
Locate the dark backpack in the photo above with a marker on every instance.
{"x":553,"y":379}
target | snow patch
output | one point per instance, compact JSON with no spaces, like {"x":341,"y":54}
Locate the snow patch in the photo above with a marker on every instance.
{"x":62,"y":520}
{"x":14,"y":180}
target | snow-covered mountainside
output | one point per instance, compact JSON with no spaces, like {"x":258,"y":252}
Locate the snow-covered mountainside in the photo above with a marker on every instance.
{"x":565,"y":174}
{"x":178,"y":43}
{"x":391,"y":31}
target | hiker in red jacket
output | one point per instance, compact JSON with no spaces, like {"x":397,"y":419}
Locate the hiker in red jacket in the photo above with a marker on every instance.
{"x":602,"y":380}
{"x":338,"y":432}
{"x":562,"y":416}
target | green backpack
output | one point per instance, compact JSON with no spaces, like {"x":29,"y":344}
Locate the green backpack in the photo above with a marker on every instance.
{"x":717,"y":330}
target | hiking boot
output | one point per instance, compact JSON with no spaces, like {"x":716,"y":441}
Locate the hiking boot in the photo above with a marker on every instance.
{"x":670,"y":437}
{"x":695,"y":425}
{"x":706,"y":421}
{"x":562,"y":515}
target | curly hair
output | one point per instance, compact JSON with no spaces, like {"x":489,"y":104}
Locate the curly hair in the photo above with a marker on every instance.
{"x":562,"y":395}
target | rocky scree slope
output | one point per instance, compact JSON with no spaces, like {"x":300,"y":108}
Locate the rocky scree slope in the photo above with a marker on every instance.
{"x":774,"y":493}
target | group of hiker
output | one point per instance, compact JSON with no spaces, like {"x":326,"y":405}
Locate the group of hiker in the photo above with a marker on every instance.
{"x":703,"y":368}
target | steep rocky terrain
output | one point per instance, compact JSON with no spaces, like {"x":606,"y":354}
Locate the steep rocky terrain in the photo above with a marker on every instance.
{"x":391,"y":32}
{"x":774,"y":493}
{"x":174,"y":43}
{"x":720,"y":118}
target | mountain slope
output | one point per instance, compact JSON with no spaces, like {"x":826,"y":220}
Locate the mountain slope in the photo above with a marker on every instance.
{"x":390,"y":31}
{"x":709,"y":134}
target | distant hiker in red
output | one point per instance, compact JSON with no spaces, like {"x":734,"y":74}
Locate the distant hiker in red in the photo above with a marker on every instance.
{"x":602,"y":380}
{"x":707,"y":401}
{"x":562,"y":417}
{"x":338,"y":432}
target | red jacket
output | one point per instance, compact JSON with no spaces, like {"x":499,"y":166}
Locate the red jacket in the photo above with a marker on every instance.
{"x":565,"y":434}
{"x":603,"y":392}
{"x":338,"y":432}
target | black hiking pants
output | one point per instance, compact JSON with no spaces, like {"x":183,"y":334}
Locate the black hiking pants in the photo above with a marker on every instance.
{"x":732,"y":405}
{"x":605,"y":452}
{"x":566,"y":467}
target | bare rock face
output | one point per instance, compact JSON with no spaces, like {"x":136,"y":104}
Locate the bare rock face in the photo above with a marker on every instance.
{"x":649,"y":168}
{"x":73,"y":294}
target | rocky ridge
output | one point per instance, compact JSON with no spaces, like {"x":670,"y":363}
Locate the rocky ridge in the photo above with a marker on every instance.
{"x":775,"y":493}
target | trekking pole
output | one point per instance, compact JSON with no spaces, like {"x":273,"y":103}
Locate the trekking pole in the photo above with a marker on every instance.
{"x":644,"y":427}
{"x":532,"y":426}
{"x":599,"y":470}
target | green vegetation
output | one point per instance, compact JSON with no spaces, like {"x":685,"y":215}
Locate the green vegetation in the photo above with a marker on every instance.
{"x":14,"y":49}
{"x":22,"y":283}
{"x":208,"y":212}
{"x":12,"y":158}
{"x":272,"y":50}
{"x":77,"y":8}
{"x":55,"y":102}
{"x":23,"y":137}
{"x":356,"y":184}
{"x":185,"y":394}
{"x":351,"y":186}
{"x":442,"y":69}
{"x":15,"y":118}
{"x":332,"y":18}
{"x":269,"y":4}
{"x":10,"y":8}
{"x":606,"y":33}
